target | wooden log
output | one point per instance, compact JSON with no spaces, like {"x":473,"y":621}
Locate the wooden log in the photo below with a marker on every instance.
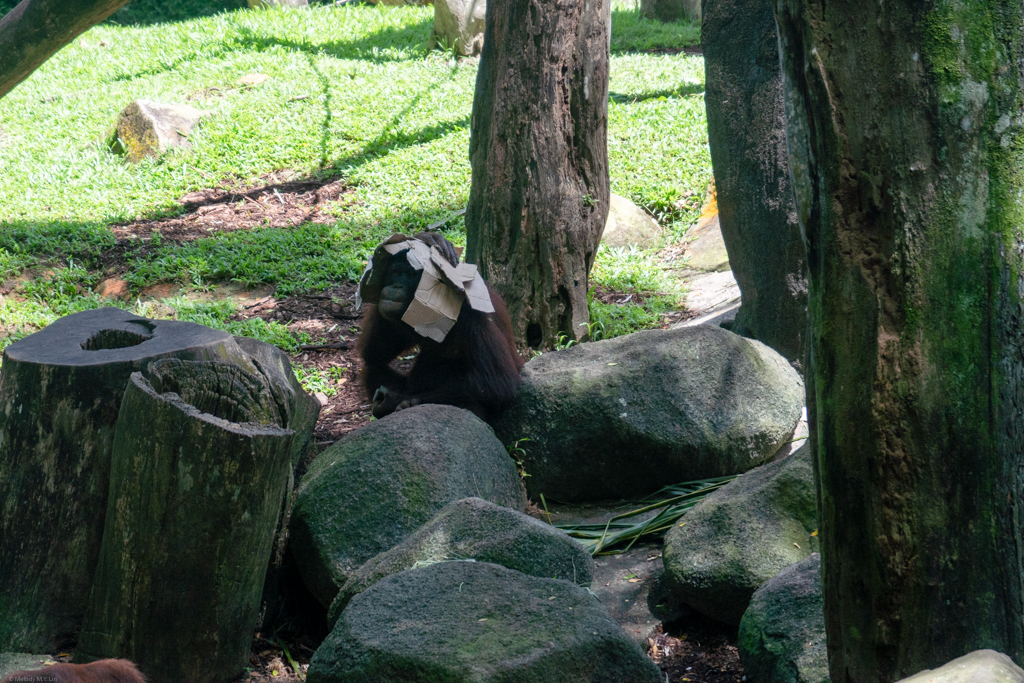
{"x":60,"y":392}
{"x":300,"y":412}
{"x":200,"y":467}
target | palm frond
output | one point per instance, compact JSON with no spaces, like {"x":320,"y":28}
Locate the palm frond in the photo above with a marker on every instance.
{"x":673,"y":501}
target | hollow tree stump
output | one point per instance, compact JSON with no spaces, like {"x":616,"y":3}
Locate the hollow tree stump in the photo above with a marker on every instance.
{"x":60,"y":393}
{"x":300,"y":411}
{"x":199,"y":469}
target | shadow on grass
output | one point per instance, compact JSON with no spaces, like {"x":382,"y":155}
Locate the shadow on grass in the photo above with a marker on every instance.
{"x":681,"y":91}
{"x":392,"y":44}
{"x":633,"y":32}
{"x":45,"y":239}
{"x":149,"y":12}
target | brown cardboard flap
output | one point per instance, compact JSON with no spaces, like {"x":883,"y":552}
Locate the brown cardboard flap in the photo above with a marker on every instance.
{"x":443,"y":287}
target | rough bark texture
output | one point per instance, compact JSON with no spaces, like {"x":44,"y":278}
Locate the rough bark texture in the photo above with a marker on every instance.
{"x":903,"y":123}
{"x":35,"y":29}
{"x":539,"y":197}
{"x":200,"y":466}
{"x":747,"y":136}
{"x":60,"y":392}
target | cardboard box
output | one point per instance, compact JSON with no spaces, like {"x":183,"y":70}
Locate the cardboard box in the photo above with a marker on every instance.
{"x":442,"y":290}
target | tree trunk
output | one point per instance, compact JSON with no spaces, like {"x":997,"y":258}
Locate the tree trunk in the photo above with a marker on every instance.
{"x":904,"y":135}
{"x":35,"y":29}
{"x":60,"y":392}
{"x":200,"y":468}
{"x":747,"y":137}
{"x":539,"y":198}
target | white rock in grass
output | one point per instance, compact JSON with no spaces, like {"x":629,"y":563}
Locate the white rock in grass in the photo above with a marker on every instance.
{"x":460,"y":24}
{"x":146,"y":128}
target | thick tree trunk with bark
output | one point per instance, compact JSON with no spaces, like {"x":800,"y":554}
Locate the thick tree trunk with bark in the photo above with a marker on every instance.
{"x":904,"y":122}
{"x":199,"y":471}
{"x":540,"y":193}
{"x":60,"y":392}
{"x":35,"y":29}
{"x":747,"y":137}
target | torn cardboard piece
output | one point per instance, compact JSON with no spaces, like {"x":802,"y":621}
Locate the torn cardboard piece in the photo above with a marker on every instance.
{"x":443,"y":287}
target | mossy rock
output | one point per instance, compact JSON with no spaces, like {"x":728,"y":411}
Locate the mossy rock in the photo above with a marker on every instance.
{"x":475,"y":529}
{"x":369,"y":491}
{"x":782,"y":633}
{"x":740,"y":536}
{"x":475,"y":622}
{"x":627,"y":416}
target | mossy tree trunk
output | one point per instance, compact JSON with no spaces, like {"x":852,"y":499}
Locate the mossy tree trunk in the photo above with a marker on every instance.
{"x":35,"y":29}
{"x":539,"y":198}
{"x":903,"y":124}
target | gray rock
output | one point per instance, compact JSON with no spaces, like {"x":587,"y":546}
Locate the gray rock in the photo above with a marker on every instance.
{"x":782,"y":633}
{"x":671,"y":10}
{"x":475,"y":529}
{"x":146,"y":128}
{"x":19,"y":661}
{"x":706,"y":247}
{"x":476,"y":622}
{"x":740,"y":536}
{"x":626,"y":416}
{"x":379,"y":484}
{"x":980,"y":666}
{"x":460,"y":24}
{"x":746,"y":134}
{"x":628,"y":224}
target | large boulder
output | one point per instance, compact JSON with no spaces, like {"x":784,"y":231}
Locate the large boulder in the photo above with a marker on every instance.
{"x":746,"y":134}
{"x":459,"y":24}
{"x":366,"y":493}
{"x":476,"y":622}
{"x":742,"y":535}
{"x":475,"y":529}
{"x":980,"y":666}
{"x":782,"y":633}
{"x":626,"y":416}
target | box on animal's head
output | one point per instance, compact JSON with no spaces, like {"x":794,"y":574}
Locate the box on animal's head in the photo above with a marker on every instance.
{"x":442,"y":290}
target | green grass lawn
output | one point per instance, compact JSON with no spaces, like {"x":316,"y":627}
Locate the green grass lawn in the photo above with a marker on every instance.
{"x":353,"y":92}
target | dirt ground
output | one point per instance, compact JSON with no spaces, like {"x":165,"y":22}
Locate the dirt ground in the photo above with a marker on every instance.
{"x":693,"y":652}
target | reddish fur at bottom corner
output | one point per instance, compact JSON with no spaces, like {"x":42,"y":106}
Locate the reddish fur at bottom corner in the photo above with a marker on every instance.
{"x":103,"y":671}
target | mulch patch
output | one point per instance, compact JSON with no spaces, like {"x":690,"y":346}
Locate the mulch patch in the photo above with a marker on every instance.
{"x":689,"y":49}
{"x":279,"y":201}
{"x":697,"y":651}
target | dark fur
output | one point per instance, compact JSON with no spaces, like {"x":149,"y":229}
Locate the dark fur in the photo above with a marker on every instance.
{"x":476,"y":367}
{"x":102,"y":671}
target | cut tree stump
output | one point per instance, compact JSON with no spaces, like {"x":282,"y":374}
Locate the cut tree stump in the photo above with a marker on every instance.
{"x":60,"y":392}
{"x":300,"y":411}
{"x":200,"y":467}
